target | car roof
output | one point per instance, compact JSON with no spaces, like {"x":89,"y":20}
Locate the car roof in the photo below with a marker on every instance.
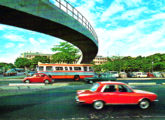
{"x":111,"y":82}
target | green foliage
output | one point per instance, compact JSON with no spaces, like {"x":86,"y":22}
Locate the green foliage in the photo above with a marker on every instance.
{"x":22,"y":62}
{"x":42,"y":59}
{"x":65,"y":53}
{"x":6,"y":66}
{"x":154,"y":62}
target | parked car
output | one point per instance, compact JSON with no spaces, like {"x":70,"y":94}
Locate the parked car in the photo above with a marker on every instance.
{"x":10,"y":72}
{"x":100,"y":77}
{"x":103,"y":93}
{"x":131,"y":74}
{"x":38,"y":78}
{"x":157,"y":74}
{"x":150,"y":75}
{"x":123,"y":75}
{"x":114,"y":74}
{"x":163,"y":74}
{"x":30,"y":73}
{"x":141,"y":74}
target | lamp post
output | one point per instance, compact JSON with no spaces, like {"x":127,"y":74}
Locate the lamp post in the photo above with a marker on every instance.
{"x":152,"y":65}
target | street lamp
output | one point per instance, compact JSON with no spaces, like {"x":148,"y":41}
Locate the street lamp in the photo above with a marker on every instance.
{"x":152,"y":66}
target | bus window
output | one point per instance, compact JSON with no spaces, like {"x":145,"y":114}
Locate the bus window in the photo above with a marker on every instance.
{"x":70,"y":68}
{"x":66,"y":68}
{"x":41,"y":68}
{"x":77,"y":68}
{"x":85,"y":68}
{"x":90,"y":69}
{"x":59,"y":68}
{"x":49,"y":68}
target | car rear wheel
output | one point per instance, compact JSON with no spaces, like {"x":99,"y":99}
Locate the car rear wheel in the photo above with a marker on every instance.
{"x":98,"y":105}
{"x":46,"y":82}
{"x":27,"y":81}
{"x":90,"y":81}
{"x":144,"y":104}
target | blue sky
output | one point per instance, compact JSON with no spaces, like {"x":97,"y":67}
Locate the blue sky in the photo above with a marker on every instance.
{"x":124,"y":27}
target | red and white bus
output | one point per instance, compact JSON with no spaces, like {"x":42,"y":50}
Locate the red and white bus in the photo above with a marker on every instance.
{"x":66,"y":71}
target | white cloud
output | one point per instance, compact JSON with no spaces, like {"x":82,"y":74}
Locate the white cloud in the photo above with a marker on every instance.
{"x":72,"y":1}
{"x":1,"y":27}
{"x":34,"y":42}
{"x":21,"y":45}
{"x":10,"y":57}
{"x":133,"y":40}
{"x":14,"y":37}
{"x":9,"y":45}
{"x":41,"y":40}
{"x":131,"y":13}
{"x":113,"y":9}
{"x":158,"y":16}
{"x":131,"y":3}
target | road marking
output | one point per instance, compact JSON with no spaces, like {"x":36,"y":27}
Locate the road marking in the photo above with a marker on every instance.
{"x":152,"y":83}
{"x":26,"y":84}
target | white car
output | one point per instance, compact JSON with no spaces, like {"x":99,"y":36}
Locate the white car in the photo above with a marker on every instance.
{"x":141,"y":75}
{"x":114,"y":74}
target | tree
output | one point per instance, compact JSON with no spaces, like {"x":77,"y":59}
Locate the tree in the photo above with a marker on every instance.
{"x":22,"y":62}
{"x":6,"y":66}
{"x":36,"y":59}
{"x":65,"y":53}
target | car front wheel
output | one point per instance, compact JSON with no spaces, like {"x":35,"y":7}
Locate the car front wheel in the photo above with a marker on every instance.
{"x":27,"y":81}
{"x":98,"y":105}
{"x":144,"y":104}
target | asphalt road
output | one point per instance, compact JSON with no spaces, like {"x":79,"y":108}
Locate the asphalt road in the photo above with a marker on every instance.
{"x":59,"y":103}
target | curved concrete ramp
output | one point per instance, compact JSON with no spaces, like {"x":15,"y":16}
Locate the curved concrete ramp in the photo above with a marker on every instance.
{"x":45,"y":17}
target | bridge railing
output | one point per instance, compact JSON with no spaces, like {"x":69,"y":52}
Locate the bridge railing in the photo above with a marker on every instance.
{"x":72,"y":11}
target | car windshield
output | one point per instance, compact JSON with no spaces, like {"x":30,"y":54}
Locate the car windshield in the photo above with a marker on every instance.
{"x":94,"y":87}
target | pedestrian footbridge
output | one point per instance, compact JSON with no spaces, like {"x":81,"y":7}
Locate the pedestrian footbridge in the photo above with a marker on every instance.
{"x":53,"y":17}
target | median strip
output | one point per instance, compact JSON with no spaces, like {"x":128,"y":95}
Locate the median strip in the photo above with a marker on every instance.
{"x":151,"y":83}
{"x":26,"y":84}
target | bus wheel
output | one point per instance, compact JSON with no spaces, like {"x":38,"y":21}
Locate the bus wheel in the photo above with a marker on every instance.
{"x":76,"y":77}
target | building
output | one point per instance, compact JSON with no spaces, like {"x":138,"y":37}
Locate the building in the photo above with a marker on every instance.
{"x":100,"y":60}
{"x":31,"y":55}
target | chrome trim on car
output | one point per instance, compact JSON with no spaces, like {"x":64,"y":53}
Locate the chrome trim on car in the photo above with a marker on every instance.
{"x":156,"y":100}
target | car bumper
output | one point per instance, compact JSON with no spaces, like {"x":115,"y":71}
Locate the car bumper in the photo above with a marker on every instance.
{"x":78,"y":101}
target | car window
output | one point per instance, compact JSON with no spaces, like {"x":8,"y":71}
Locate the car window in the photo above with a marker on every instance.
{"x":124,"y":88}
{"x":34,"y":75}
{"x":41,"y":75}
{"x":110,"y":88}
{"x":94,"y":87}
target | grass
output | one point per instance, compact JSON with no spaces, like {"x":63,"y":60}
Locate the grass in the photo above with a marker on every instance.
{"x":12,"y":77}
{"x":76,"y":83}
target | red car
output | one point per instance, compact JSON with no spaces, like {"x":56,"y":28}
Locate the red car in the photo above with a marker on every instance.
{"x":38,"y":77}
{"x":114,"y":93}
